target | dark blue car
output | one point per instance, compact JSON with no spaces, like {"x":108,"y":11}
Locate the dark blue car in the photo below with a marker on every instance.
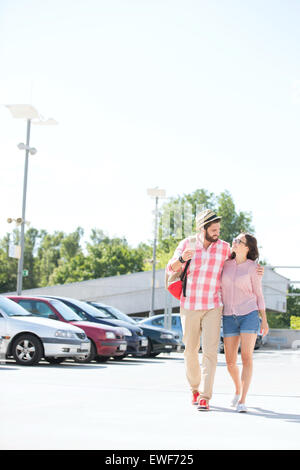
{"x":160,"y":340}
{"x":136,"y":342}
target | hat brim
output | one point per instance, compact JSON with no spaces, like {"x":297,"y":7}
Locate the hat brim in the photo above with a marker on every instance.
{"x":200,"y":226}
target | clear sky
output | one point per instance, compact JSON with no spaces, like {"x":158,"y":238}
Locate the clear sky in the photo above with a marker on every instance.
{"x":176,"y":94}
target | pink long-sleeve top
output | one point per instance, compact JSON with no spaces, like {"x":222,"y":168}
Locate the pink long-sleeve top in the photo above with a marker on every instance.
{"x":241,"y":288}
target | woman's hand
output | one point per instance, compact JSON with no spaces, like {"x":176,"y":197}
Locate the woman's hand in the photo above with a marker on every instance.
{"x":264,"y":329}
{"x":260,"y":270}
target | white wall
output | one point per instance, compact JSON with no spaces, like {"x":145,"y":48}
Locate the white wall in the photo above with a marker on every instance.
{"x":131,"y":293}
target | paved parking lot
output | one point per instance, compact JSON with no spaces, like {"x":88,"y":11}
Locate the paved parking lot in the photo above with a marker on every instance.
{"x":145,"y":404}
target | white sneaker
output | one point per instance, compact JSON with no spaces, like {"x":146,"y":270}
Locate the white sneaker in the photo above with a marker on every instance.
{"x":241,"y":408}
{"x":234,"y":401}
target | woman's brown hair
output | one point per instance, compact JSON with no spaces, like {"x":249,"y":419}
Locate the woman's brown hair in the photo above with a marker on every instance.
{"x":253,"y":253}
{"x":252,"y":245}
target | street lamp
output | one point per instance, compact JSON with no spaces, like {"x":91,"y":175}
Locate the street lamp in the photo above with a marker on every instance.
{"x":28,"y":112}
{"x":156,"y":193}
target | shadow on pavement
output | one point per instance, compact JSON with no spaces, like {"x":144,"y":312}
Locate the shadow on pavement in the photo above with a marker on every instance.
{"x":45,"y":365}
{"x":133,"y":362}
{"x":74,"y":366}
{"x":172,"y":358}
{"x":261,"y":412}
{"x":291,"y":418}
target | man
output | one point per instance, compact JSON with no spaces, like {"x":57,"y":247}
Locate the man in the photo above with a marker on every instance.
{"x":201,"y":309}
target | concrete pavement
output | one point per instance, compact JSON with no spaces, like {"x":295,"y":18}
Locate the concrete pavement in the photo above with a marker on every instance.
{"x":145,"y":404}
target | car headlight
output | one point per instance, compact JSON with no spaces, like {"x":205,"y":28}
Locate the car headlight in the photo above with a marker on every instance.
{"x":166,"y":336}
{"x":110,"y":335}
{"x":64,"y":334}
{"x":126,"y":332}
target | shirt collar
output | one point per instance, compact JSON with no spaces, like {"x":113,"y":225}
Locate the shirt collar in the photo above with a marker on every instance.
{"x":199,"y":242}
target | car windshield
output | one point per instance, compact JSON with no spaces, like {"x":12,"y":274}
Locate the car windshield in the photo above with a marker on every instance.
{"x":120,"y":315}
{"x":143,"y":320}
{"x":102,"y":313}
{"x":93,"y":311}
{"x":66,"y":312}
{"x":12,"y":309}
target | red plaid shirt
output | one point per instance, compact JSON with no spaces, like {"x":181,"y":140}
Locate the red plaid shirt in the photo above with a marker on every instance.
{"x":203,"y":275}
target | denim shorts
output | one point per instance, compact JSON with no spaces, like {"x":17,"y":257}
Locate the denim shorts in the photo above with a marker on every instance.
{"x":233,"y":325}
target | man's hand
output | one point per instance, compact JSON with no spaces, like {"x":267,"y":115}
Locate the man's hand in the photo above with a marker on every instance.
{"x":187,"y":254}
{"x":260,"y":270}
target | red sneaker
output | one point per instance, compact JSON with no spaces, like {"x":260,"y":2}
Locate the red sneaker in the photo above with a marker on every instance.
{"x":195,"y":398}
{"x":203,"y":405}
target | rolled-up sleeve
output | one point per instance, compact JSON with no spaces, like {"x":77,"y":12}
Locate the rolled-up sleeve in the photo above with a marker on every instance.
{"x":257,"y":288}
{"x":178,"y":252}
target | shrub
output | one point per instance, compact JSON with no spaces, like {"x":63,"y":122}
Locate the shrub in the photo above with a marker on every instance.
{"x":278,"y":320}
{"x":295,"y":323}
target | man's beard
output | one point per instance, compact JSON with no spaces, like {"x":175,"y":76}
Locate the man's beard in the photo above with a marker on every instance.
{"x":211,"y":239}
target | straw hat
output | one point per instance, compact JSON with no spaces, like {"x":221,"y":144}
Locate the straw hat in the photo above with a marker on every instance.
{"x":205,"y":217}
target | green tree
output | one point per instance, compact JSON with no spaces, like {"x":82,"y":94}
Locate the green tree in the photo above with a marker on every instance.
{"x":8,"y":265}
{"x":8,"y":268}
{"x":76,"y":269}
{"x":48,"y":256}
{"x":232,"y":223}
{"x":283,"y":320}
{"x":293,"y":302}
{"x":105,"y":257}
{"x":112,"y":256}
{"x":58,"y":258}
{"x":71,"y":265}
{"x":31,"y":239}
{"x":70,"y":244}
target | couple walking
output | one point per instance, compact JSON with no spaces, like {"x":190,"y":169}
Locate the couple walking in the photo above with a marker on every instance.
{"x":220,"y":282}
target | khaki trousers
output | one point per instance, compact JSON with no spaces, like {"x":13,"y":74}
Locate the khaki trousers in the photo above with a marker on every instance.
{"x":194,"y":323}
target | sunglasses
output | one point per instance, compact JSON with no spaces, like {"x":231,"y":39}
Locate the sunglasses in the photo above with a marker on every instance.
{"x":238,"y":241}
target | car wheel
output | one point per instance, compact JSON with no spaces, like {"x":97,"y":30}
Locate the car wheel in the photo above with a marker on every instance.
{"x":149,"y":349}
{"x":27,"y":350}
{"x":55,"y":360}
{"x":101,"y":358}
{"x":153,"y":354}
{"x":85,"y":358}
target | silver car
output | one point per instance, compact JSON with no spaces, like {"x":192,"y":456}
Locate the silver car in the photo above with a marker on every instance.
{"x":29,"y":339}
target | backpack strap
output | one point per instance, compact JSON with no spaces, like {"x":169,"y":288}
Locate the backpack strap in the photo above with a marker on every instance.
{"x":183,"y":277}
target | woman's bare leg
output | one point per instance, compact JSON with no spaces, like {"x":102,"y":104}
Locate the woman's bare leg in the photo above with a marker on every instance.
{"x":231,"y":346}
{"x":247,"y":346}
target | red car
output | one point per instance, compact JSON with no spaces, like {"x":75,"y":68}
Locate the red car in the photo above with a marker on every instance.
{"x":106,"y":341}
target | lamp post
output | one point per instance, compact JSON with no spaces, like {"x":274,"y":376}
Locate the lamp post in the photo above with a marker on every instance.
{"x":28,"y":112}
{"x":156,"y":193}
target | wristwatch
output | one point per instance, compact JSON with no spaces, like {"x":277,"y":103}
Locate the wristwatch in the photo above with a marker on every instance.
{"x":181,"y":259}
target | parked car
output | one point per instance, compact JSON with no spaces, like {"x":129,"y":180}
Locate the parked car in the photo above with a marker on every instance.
{"x":4,"y":341}
{"x":159,"y":339}
{"x":136,"y":342}
{"x":30,"y":338}
{"x":258,"y":343}
{"x":106,"y":341}
{"x":159,"y":321}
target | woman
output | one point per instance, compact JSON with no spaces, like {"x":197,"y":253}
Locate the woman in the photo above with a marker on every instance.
{"x":242,"y":299}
